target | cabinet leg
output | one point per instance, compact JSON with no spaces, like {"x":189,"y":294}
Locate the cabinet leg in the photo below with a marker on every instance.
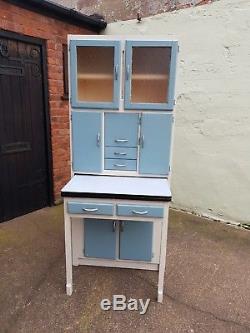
{"x":68,"y":252}
{"x":69,"y":289}
{"x":162,"y":264}
{"x":160,"y":296}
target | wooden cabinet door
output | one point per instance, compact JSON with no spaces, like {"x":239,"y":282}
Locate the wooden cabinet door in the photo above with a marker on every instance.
{"x":86,"y":141}
{"x":95,"y":73}
{"x":155,"y":142}
{"x":99,"y":238}
{"x":150,"y":74}
{"x":121,"y":129}
{"x":136,"y":240}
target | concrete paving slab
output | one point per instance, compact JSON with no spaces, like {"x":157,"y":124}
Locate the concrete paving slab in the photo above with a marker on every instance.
{"x":206,"y":289}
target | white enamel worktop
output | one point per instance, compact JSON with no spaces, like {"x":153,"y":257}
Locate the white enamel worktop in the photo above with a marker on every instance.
{"x":117,"y":187}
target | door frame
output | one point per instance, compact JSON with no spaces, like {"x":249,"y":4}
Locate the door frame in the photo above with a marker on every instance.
{"x":42,"y":43}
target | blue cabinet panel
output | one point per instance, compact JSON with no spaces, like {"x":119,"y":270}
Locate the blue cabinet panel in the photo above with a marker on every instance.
{"x":118,"y":152}
{"x":155,"y":143}
{"x":136,"y":210}
{"x":119,"y":164}
{"x":86,"y":141}
{"x":121,"y":129}
{"x":98,"y":66}
{"x":99,"y":239}
{"x":136,"y":240}
{"x":90,"y":208}
{"x":138,"y":72}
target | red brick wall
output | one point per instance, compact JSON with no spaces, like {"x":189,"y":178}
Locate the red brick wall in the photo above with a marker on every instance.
{"x":55,"y":32}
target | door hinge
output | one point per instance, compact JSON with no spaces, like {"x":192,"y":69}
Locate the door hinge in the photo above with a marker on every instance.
{"x":178,"y":48}
{"x":71,"y":117}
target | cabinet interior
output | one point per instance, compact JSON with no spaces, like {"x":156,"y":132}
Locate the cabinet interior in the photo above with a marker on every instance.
{"x":95,"y":73}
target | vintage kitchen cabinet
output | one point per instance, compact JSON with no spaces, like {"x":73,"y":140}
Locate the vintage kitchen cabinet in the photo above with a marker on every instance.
{"x":121,"y":115}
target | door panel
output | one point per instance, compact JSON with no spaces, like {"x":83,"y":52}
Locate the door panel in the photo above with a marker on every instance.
{"x":24,"y":171}
{"x":86,"y":141}
{"x":121,"y":130}
{"x":99,"y":239}
{"x":150,"y":74}
{"x":95,"y":73}
{"x":155,"y":143}
{"x":136,"y":240}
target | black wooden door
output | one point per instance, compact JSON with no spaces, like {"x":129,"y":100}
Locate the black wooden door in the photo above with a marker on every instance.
{"x":24,"y":172}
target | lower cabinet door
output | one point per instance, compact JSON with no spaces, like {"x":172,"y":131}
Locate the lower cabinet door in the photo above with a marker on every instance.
{"x":136,"y":240}
{"x":99,"y":239}
{"x":155,"y":143}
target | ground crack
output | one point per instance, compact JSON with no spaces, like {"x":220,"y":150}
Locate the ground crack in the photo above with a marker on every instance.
{"x":208,"y":312}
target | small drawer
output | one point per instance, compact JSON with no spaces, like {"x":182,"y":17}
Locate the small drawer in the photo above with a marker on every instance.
{"x":120,"y":164}
{"x":135,"y":210}
{"x":117,"y":152}
{"x":90,"y":208}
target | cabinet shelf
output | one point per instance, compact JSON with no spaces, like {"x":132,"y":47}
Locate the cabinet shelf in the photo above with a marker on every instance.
{"x":95,"y":76}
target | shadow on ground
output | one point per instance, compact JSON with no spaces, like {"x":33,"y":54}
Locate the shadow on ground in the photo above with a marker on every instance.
{"x":207,"y":281}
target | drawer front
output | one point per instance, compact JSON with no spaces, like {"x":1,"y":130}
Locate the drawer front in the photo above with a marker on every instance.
{"x":136,"y":210}
{"x":117,"y":152}
{"x":90,"y":208}
{"x":120,"y":164}
{"x":121,"y":130}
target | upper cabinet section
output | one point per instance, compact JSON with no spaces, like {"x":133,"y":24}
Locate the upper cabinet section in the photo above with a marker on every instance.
{"x":150,"y":74}
{"x":122,"y":74}
{"x":95,"y":73}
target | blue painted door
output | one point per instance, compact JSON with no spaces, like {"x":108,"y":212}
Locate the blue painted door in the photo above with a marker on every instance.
{"x":150,"y":74}
{"x":95,"y":73}
{"x":99,"y":238}
{"x":155,"y":141}
{"x":121,"y":129}
{"x":136,"y":240}
{"x":86,"y":141}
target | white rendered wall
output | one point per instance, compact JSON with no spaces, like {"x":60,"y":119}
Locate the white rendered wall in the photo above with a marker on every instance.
{"x":211,"y":158}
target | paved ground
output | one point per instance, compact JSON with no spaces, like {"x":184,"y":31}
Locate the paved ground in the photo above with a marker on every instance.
{"x":207,"y":281}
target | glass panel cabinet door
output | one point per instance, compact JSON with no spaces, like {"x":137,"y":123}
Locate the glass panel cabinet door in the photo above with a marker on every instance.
{"x":95,"y":73}
{"x":150,"y":74}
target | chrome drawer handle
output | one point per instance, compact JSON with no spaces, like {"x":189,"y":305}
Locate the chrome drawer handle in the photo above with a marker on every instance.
{"x":118,"y":153}
{"x":140,"y":213}
{"x":116,"y":72}
{"x":98,"y":139}
{"x":120,"y":165}
{"x":127,"y":72}
{"x":90,"y":209}
{"x":121,"y":140}
{"x":114,"y":226}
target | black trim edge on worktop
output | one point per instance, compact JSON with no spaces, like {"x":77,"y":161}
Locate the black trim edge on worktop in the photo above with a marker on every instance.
{"x":62,"y":13}
{"x":114,"y":196}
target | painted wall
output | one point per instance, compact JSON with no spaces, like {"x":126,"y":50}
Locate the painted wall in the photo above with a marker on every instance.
{"x":118,"y":10}
{"x":211,"y":160}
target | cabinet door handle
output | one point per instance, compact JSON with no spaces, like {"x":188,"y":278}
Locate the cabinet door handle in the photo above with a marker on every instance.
{"x":121,"y":226}
{"x":116,"y":72}
{"x":145,"y":212}
{"x":142,"y":141}
{"x":98,"y":139}
{"x":119,"y":153}
{"x":127,"y":72}
{"x":114,"y":226}
{"x":120,"y":165}
{"x":121,"y":140}
{"x":90,"y":210}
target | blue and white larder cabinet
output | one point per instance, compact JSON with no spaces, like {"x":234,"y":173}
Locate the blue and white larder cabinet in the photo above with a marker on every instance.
{"x":121,"y":118}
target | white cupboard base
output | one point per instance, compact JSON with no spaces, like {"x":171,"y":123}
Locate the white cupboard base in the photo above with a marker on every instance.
{"x":74,"y":241}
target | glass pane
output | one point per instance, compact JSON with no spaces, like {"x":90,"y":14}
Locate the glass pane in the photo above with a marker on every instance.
{"x":95,"y":71}
{"x":150,"y":74}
